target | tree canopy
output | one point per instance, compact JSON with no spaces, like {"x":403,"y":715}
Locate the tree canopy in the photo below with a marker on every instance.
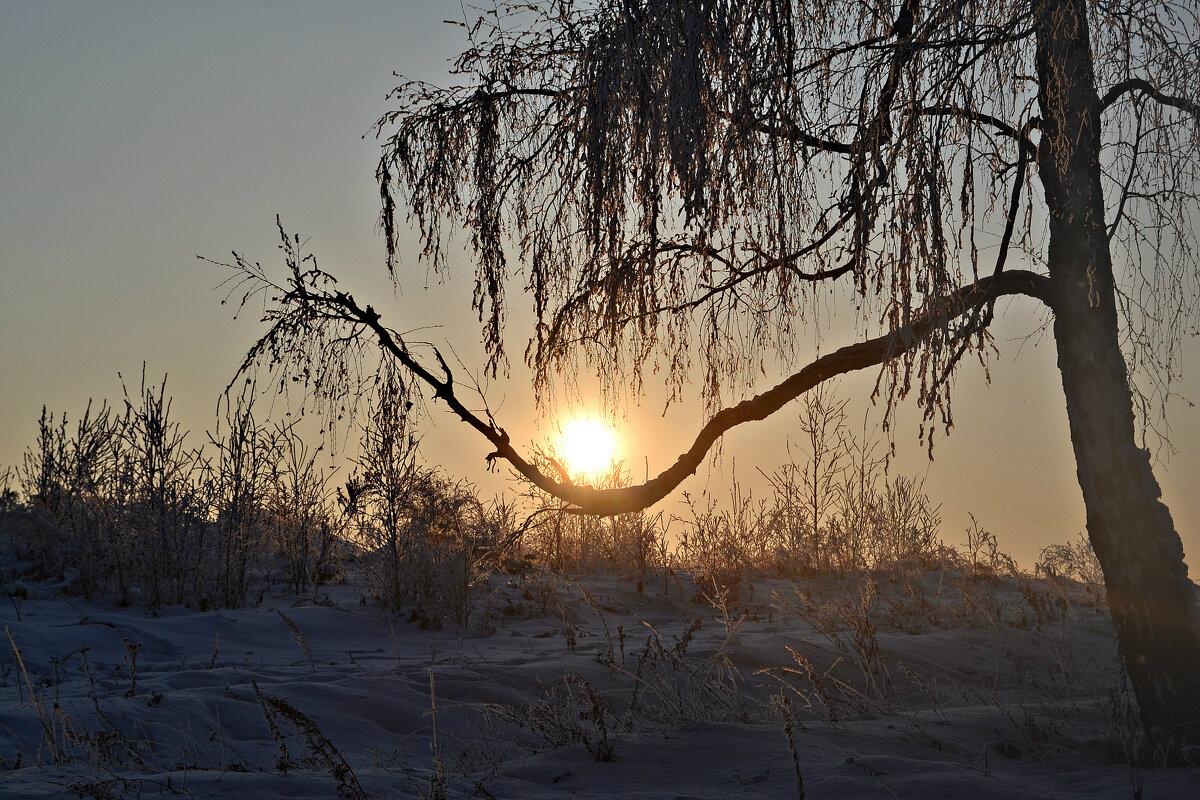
{"x":670,"y":180}
{"x":680,"y":187}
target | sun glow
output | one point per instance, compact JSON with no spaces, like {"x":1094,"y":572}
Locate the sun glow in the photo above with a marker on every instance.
{"x":588,"y":448}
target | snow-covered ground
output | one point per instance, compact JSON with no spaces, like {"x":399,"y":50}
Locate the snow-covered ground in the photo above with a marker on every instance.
{"x":922,"y":686}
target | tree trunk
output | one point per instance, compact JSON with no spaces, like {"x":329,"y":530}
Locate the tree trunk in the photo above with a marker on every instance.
{"x":1149,"y":594}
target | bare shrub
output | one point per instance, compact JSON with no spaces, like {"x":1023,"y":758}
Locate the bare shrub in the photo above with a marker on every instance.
{"x":806,"y":494}
{"x":8,"y":495}
{"x":304,"y":526}
{"x":636,"y":540}
{"x":422,"y":533}
{"x":876,"y":522}
{"x":626,"y":544}
{"x":123,"y":507}
{"x":983,"y":552}
{"x":908,"y":526}
{"x":238,"y":486}
{"x":165,"y":523}
{"x":838,"y":512}
{"x":115,"y":502}
{"x":448,"y":535}
{"x":1074,"y":560}
{"x":377,"y":497}
{"x":724,"y":546}
{"x":569,"y":543}
{"x":67,"y":480}
{"x":855,"y":522}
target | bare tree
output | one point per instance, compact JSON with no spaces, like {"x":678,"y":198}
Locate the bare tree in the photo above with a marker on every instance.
{"x":679,"y":179}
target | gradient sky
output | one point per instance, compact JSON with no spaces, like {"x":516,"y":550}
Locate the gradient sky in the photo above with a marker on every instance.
{"x":135,"y":136}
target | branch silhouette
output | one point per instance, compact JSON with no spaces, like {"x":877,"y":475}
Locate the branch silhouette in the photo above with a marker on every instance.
{"x":305,"y":300}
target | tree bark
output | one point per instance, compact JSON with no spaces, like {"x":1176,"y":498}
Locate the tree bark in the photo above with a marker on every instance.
{"x":1150,"y":596}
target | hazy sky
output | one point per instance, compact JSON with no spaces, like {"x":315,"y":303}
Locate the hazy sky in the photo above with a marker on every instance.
{"x":137,"y":135}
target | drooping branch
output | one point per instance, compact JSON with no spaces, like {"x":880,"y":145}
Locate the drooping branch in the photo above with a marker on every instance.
{"x":1143,"y":86}
{"x":603,"y":502}
{"x":1018,"y":135}
{"x":737,"y":274}
{"x":795,"y":133}
{"x":645,"y":160}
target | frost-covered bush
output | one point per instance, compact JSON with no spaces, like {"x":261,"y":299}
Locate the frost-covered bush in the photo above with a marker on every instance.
{"x":833,"y":511}
{"x":627,"y":544}
{"x":423,"y":536}
{"x":304,"y":523}
{"x":1074,"y":560}
{"x":120,"y":506}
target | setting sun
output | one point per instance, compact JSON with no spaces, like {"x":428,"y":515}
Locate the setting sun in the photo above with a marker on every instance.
{"x":587,"y":447}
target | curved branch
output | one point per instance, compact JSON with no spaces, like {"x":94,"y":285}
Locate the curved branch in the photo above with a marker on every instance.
{"x":769,"y":264}
{"x":1131,"y":85}
{"x":794,"y":133}
{"x":604,"y":502}
{"x":1018,"y":135}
